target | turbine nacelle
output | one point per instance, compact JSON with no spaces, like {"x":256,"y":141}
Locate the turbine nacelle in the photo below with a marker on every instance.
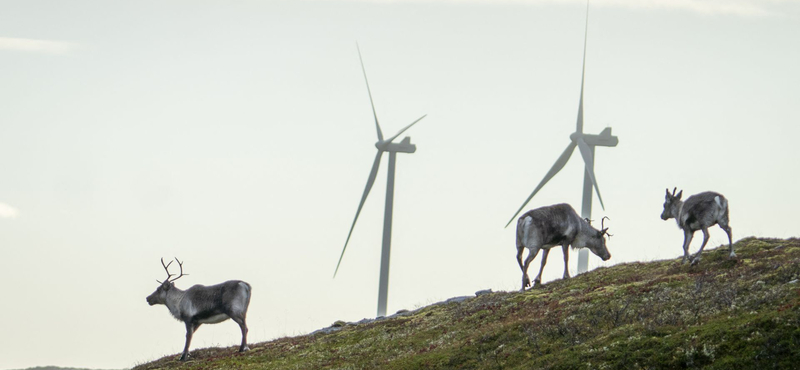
{"x":603,"y":139}
{"x":404,"y":146}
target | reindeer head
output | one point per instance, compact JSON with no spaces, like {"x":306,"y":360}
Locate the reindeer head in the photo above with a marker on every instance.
{"x":597,"y":242}
{"x":671,"y":204}
{"x":160,"y":295}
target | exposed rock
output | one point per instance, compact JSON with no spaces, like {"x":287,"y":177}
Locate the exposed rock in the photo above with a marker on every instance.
{"x":482,"y":292}
{"x":457,"y":299}
{"x":328,"y":330}
{"x":336,"y":326}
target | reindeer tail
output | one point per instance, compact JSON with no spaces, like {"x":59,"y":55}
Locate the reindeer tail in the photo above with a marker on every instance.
{"x":721,"y":202}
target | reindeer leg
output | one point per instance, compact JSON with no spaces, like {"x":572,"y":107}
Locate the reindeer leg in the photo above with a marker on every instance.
{"x":526,"y":282}
{"x":727,"y":229}
{"x":520,"y":249}
{"x":538,"y":279}
{"x":190,"y":329}
{"x":696,"y":258}
{"x":565,"y":249}
{"x":687,"y":239}
{"x":243,"y":326}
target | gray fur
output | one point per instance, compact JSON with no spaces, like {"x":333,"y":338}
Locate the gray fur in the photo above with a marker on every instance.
{"x":546,"y":227}
{"x":698,"y":212}
{"x":205,"y":305}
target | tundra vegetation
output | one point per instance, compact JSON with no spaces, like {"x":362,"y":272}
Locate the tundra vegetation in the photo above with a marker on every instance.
{"x":725,"y":313}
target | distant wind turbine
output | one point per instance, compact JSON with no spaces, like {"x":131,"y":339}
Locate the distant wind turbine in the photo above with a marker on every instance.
{"x":386,"y":145}
{"x":586,"y":143}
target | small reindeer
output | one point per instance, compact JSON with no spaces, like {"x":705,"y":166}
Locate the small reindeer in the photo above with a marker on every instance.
{"x":203,"y":304}
{"x":546,"y":227}
{"x":698,"y":212}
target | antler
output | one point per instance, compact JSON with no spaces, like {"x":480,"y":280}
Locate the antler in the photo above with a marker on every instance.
{"x":180,"y":264}
{"x":169,"y":276}
{"x":604,"y":229}
{"x":166,"y":267}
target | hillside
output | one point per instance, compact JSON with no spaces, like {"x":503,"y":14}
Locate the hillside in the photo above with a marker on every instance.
{"x":721,"y":314}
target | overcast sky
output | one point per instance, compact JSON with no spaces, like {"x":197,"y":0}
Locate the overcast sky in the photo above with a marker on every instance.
{"x":238,"y":136}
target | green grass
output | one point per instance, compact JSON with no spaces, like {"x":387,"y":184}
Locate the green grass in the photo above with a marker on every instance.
{"x":720,"y":314}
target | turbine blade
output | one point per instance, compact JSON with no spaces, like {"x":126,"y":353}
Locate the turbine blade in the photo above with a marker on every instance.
{"x":560,"y":162}
{"x":377,"y":126}
{"x":370,"y":181}
{"x":586,"y":153}
{"x":579,"y":126}
{"x":404,"y":129}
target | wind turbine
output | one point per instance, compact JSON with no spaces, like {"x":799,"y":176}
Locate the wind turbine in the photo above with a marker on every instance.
{"x":383,"y":145}
{"x":586,"y":143}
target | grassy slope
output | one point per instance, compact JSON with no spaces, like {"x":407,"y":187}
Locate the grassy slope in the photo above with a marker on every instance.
{"x":719,"y":314}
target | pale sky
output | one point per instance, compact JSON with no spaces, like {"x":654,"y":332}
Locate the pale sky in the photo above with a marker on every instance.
{"x":238,"y":136}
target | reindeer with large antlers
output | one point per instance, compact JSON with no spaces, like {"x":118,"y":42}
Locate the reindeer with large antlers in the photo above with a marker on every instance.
{"x":203,"y":304}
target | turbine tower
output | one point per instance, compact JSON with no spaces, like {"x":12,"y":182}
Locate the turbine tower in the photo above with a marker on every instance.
{"x":586,"y":143}
{"x":386,"y":145}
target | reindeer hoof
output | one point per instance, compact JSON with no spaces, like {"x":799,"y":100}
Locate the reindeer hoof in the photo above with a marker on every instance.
{"x":732,"y":255}
{"x":246,"y":348}
{"x":695,"y":260}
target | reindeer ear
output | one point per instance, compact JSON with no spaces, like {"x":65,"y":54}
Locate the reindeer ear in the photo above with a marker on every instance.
{"x":679,"y":194}
{"x":667,"y":192}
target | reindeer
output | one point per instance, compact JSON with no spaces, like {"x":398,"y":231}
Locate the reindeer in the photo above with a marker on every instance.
{"x":203,"y":304}
{"x":698,"y":212}
{"x":546,"y":227}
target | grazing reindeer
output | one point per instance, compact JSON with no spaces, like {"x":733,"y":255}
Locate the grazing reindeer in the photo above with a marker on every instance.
{"x":546,"y":227}
{"x":203,"y":304}
{"x":698,"y":212}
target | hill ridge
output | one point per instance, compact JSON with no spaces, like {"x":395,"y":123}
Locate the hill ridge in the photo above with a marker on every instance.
{"x":742,"y":312}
